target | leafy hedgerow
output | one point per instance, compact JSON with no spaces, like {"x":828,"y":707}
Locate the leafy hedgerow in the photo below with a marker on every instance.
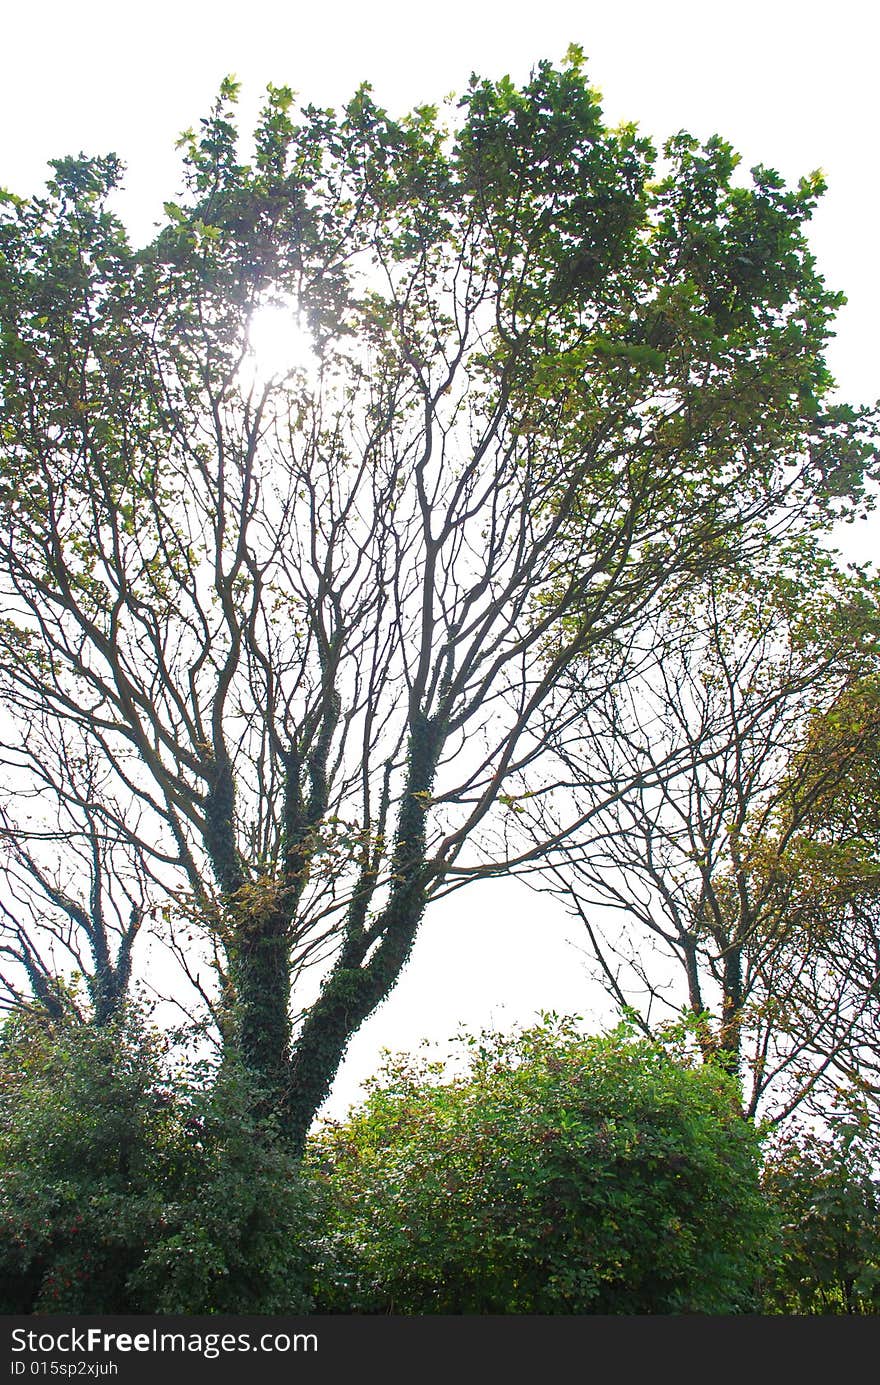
{"x":557,"y":1174}
{"x":127,"y":1186}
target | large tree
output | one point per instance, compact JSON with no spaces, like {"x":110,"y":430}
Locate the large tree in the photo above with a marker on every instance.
{"x":279,"y":646}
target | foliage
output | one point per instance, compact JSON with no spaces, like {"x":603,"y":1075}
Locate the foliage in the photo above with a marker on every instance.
{"x":556,"y":1174}
{"x":129,"y":1187}
{"x":827,"y":1191}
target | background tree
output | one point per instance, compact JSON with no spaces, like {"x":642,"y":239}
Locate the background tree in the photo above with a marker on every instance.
{"x":81,"y":907}
{"x":833,"y":798}
{"x":311,"y":627}
{"x":744,"y":881}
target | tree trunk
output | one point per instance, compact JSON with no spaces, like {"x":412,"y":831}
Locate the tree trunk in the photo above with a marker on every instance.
{"x":355,"y":987}
{"x":262,"y":978}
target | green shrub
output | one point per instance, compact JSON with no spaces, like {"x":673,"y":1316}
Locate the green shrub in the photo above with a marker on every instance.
{"x":827,"y":1191}
{"x":559,"y":1174}
{"x":128,"y":1187}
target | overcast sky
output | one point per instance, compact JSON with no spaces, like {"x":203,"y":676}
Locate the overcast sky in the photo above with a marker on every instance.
{"x":791,"y":83}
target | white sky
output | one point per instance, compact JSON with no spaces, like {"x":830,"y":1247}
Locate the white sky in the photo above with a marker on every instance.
{"x":791,"y":83}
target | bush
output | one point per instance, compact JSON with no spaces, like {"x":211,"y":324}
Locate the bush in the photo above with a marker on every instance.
{"x":827,"y":1193}
{"x":128,"y":1187}
{"x":559,"y":1174}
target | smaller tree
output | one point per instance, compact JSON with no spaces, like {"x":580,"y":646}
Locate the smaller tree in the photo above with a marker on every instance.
{"x":556,"y":1174}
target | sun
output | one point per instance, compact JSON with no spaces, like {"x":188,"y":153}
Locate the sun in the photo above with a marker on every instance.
{"x":279,"y":343}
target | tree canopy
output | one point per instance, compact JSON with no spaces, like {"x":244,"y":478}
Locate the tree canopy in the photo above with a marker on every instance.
{"x":280,"y":647}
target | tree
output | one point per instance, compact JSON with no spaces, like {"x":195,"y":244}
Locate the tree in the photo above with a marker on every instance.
{"x":752,"y":868}
{"x":89,"y":913}
{"x":277,"y":647}
{"x":554,"y":1174}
